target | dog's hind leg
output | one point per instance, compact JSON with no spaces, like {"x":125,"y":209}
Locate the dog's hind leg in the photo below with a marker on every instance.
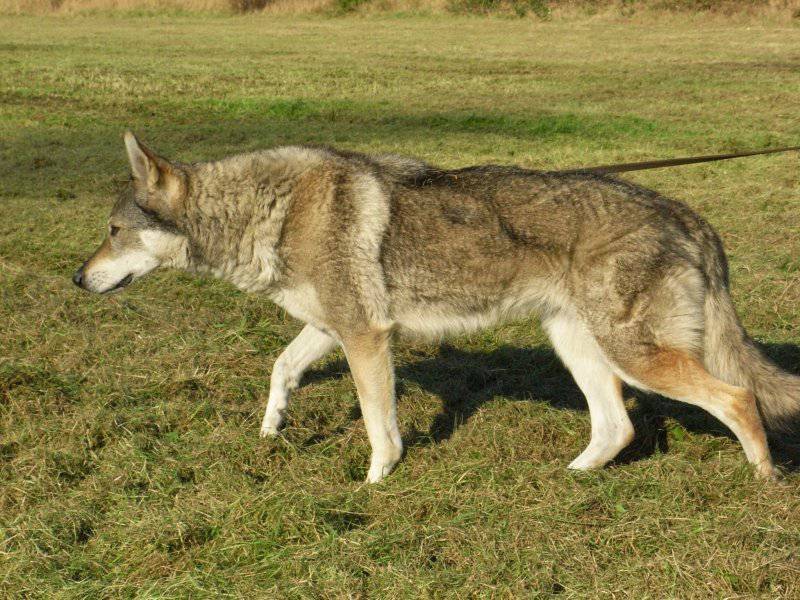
{"x":612,"y":429}
{"x":678,"y":375}
{"x":308,"y":347}
{"x":370,"y":362}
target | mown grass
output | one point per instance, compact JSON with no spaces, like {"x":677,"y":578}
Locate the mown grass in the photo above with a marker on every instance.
{"x":131,"y":464}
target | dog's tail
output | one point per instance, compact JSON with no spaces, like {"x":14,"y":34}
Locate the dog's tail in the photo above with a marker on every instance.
{"x":731,"y":355}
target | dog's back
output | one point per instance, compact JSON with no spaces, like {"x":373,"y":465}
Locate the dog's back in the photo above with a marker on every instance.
{"x":489,"y":242}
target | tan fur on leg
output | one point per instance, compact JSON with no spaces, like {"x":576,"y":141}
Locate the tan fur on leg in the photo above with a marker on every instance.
{"x":370,"y":362}
{"x":682,"y":377}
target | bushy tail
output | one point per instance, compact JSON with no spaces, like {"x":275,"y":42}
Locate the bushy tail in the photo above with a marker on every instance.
{"x":732,"y":356}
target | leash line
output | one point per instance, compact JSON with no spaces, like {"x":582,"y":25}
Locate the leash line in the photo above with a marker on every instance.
{"x":672,"y":162}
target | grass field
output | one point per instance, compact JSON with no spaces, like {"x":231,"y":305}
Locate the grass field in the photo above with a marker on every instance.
{"x":131,"y":462}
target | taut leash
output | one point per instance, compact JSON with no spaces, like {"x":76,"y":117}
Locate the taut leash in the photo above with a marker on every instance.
{"x":672,"y":162}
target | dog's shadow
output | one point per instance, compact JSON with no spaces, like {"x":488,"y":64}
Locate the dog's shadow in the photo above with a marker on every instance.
{"x":465,"y":380}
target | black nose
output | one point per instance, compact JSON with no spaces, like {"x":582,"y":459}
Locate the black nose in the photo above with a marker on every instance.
{"x":77,"y":278}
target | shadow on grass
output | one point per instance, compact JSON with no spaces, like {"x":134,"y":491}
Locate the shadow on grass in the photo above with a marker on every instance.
{"x":88,"y":156}
{"x":465,"y":380}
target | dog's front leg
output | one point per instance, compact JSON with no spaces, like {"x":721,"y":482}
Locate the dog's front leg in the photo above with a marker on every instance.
{"x":308,"y":347}
{"x":370,"y":360}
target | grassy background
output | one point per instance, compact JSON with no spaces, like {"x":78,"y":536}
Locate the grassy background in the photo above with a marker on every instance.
{"x":130,"y":458}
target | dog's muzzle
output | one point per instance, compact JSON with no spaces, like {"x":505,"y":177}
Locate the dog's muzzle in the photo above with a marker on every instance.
{"x":78,"y":279}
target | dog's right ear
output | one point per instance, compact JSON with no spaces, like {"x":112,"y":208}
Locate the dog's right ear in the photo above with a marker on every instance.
{"x":160,"y":186}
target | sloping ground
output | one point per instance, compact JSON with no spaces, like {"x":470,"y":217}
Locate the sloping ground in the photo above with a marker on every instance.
{"x":130,"y":462}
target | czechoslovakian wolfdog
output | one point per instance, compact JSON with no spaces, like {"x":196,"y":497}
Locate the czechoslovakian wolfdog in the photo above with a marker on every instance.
{"x":631,"y":286}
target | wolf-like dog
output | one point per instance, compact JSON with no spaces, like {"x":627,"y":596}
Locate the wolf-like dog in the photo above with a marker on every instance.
{"x":630,"y":286}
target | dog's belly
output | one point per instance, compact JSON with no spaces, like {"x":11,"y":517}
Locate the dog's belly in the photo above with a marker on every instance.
{"x":435,"y":320}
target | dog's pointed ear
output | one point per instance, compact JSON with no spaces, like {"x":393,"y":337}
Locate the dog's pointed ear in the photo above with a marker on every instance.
{"x":144,"y":165}
{"x":160,"y":185}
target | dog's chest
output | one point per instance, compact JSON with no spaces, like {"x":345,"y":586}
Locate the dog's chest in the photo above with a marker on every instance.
{"x":300,"y":301}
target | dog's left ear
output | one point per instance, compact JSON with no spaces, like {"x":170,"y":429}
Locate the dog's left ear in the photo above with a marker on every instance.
{"x":160,"y":186}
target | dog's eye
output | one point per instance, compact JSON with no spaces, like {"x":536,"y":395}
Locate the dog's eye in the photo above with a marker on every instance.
{"x":114,"y":230}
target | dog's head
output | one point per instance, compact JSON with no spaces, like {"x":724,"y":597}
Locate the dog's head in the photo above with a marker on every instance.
{"x":143,"y":230}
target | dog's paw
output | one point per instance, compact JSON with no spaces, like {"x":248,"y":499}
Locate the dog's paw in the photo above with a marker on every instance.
{"x":268,"y":431}
{"x":377,"y":472}
{"x":766,"y":471}
{"x":588,"y":461}
{"x":270,"y":427}
{"x":379,"y":469}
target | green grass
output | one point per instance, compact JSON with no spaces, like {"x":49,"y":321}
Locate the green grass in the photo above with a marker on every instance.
{"x":130,"y":462}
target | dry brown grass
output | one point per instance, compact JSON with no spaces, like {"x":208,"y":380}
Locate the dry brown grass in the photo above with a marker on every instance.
{"x":772,"y":10}
{"x":67,"y":7}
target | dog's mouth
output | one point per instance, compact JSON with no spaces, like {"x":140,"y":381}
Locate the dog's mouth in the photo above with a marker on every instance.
{"x":122,"y":283}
